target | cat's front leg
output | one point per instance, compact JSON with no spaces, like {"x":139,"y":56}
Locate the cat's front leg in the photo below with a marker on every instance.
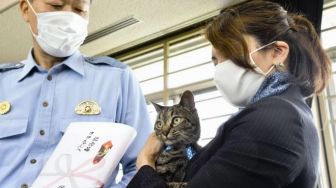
{"x":166,"y":157}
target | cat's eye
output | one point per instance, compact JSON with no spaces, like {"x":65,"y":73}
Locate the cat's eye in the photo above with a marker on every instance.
{"x":159,"y":125}
{"x":177,"y":120}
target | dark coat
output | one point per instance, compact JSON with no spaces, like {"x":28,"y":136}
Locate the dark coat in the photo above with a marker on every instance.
{"x":272,"y":143}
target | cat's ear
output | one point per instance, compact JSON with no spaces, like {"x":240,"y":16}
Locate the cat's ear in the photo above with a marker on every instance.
{"x":157,"y":107}
{"x":187,"y":99}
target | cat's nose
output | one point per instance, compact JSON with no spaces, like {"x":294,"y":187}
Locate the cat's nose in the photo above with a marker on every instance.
{"x":165,"y":132}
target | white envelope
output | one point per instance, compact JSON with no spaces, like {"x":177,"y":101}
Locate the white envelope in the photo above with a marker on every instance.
{"x":86,"y":155}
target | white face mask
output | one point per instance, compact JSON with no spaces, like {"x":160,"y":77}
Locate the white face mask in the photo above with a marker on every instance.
{"x":60,"y":33}
{"x":239,"y":85}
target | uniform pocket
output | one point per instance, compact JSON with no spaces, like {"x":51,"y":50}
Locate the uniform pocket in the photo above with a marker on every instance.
{"x":12,"y":127}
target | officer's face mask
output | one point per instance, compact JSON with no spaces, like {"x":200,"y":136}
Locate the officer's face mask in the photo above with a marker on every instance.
{"x":60,"y":33}
{"x":236,"y":84}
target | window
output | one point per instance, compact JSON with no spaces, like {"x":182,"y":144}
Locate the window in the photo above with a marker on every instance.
{"x":212,"y":119}
{"x":328,"y":99}
{"x":328,"y":36}
{"x":331,"y":103}
{"x":148,"y":68}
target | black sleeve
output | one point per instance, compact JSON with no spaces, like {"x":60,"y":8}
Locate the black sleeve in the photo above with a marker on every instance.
{"x":147,"y":178}
{"x":263,"y":149}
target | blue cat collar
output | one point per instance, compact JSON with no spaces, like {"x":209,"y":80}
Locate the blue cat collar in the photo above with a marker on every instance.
{"x":168,"y":148}
{"x":190,"y":152}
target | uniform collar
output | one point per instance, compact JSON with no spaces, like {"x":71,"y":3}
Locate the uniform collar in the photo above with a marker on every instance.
{"x":29,"y":65}
{"x":75,"y":62}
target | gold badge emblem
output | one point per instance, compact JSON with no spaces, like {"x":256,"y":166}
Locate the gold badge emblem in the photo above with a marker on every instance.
{"x":4,"y":107}
{"x":88,"y":108}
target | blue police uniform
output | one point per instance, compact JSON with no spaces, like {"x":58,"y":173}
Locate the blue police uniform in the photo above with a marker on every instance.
{"x":42,"y":104}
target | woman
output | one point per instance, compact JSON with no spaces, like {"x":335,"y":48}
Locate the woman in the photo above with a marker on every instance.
{"x":267,"y":62}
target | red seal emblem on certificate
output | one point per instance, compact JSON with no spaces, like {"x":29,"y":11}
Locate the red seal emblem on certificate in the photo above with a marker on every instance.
{"x":104,"y":149}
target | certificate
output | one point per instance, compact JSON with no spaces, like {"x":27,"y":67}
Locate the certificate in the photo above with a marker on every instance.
{"x":86,"y":156}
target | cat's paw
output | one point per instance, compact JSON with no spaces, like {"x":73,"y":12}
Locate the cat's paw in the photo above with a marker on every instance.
{"x":161,"y":169}
{"x":177,"y":184}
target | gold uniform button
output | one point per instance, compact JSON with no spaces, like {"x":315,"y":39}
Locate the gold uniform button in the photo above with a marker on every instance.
{"x":5,"y":107}
{"x":42,"y":132}
{"x":45,"y":104}
{"x":24,"y":186}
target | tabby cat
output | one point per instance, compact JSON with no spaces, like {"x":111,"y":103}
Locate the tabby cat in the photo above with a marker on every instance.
{"x":178,"y":127}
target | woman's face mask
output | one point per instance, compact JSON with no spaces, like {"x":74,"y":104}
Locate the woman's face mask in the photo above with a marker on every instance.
{"x":60,"y":33}
{"x":238,"y":85}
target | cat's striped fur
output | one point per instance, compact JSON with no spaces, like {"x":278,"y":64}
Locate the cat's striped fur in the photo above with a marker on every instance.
{"x":178,"y":127}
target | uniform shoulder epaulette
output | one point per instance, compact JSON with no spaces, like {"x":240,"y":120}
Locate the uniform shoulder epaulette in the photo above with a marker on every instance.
{"x":105,"y":60}
{"x":10,"y":66}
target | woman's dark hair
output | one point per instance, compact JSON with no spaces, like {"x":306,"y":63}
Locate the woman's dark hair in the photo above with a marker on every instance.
{"x":268,"y":22}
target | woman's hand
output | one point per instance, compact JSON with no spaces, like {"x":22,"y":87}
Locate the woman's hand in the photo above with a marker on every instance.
{"x":149,"y":152}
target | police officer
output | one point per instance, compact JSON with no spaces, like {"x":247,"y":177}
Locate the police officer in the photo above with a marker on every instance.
{"x":57,"y":85}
